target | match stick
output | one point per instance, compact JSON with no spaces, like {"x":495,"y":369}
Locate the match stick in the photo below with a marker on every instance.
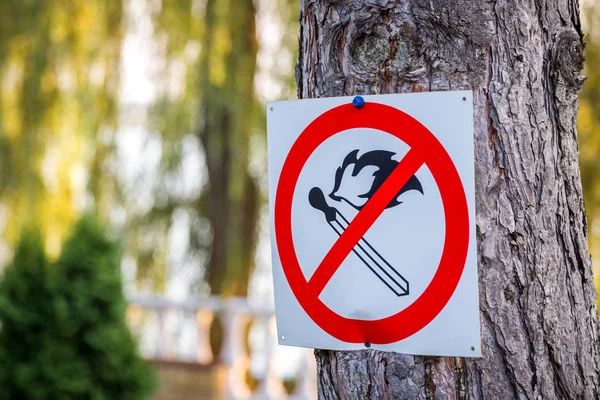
{"x":363,"y":249}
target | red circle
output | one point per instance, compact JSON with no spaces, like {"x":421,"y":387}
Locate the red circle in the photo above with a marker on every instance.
{"x":439,"y":291}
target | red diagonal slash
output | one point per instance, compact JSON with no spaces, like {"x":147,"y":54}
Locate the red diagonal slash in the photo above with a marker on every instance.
{"x":361,"y":223}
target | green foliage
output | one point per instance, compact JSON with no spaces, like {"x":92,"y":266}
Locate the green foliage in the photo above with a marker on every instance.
{"x":63,"y":332}
{"x":588,"y":125}
{"x":589,"y":114}
{"x":214,"y":46}
{"x":25,"y":311}
{"x":59,"y":71}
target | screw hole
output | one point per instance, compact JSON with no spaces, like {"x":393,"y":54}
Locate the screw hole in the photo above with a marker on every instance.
{"x":271,"y":108}
{"x":472,"y":348}
{"x":464,"y":99}
{"x":367,"y":344}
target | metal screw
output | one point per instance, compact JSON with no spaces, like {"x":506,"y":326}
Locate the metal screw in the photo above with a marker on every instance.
{"x":282,"y":337}
{"x":472,"y":348}
{"x":367,"y":344}
{"x":464,"y":99}
{"x":271,"y":108}
{"x":358,"y":102}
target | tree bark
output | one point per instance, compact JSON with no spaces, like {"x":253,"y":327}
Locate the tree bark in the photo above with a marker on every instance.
{"x":522,"y":59}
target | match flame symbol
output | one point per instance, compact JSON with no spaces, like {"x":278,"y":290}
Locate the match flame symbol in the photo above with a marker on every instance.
{"x":381,"y":164}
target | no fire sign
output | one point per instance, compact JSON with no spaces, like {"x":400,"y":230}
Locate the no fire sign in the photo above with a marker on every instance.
{"x":372,"y":210}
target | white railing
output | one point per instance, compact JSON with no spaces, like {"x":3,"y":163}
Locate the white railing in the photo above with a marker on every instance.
{"x":180,"y":331}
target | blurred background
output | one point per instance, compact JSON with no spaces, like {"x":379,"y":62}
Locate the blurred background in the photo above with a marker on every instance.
{"x":139,"y":125}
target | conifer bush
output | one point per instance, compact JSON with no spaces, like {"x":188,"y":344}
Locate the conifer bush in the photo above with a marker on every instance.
{"x":63,"y":333}
{"x":25,"y":315}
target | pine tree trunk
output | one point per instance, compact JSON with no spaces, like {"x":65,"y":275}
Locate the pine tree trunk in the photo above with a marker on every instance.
{"x":522,"y":59}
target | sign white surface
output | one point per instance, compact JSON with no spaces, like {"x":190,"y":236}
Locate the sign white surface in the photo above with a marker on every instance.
{"x":373,"y":223}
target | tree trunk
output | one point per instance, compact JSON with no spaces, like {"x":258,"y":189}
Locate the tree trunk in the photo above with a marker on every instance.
{"x":522,"y":59}
{"x":228,"y":109}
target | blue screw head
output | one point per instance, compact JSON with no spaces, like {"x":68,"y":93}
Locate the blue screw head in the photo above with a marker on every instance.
{"x":358,"y":102}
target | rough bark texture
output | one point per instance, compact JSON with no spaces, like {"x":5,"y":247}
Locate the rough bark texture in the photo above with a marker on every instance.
{"x":523,"y":60}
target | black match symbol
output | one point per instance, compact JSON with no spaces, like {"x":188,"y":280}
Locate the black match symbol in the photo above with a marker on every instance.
{"x":382,"y":161}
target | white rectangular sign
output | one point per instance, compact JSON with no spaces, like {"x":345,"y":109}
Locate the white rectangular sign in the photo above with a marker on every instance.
{"x":372,"y":206}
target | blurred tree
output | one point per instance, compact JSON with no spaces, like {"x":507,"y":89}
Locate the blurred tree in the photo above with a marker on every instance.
{"x":178,"y":27}
{"x":219,"y":86}
{"x":99,"y":354}
{"x":215,"y":45}
{"x":228,"y":110}
{"x":63,"y":328}
{"x":59,"y":64}
{"x":588,"y":124}
{"x":25,"y":310}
